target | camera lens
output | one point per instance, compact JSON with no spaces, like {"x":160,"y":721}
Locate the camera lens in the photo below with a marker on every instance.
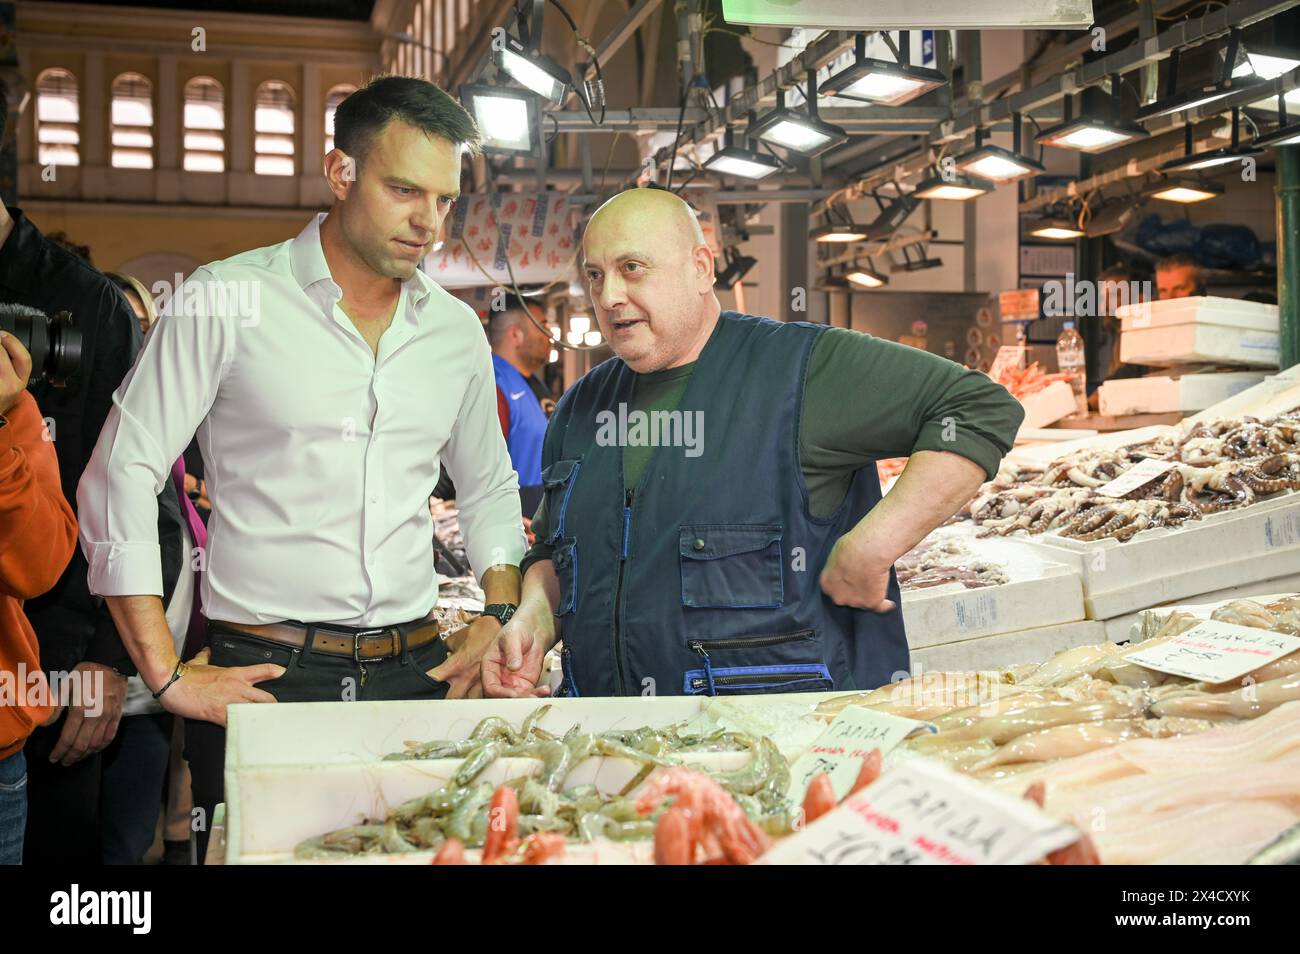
{"x":55,"y":346}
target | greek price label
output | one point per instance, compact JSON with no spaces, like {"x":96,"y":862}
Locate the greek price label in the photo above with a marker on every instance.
{"x":1216,"y":652}
{"x":1143,"y":472}
{"x":976,"y":612}
{"x":922,"y":813}
{"x":1282,"y":530}
{"x":848,"y":740}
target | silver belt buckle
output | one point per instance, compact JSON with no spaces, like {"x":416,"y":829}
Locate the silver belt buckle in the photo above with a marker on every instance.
{"x":356,"y":642}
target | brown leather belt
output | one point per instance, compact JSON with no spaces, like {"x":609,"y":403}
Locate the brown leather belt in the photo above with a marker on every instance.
{"x":343,"y":641}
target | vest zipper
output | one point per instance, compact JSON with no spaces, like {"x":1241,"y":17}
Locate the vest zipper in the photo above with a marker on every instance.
{"x":747,"y":642}
{"x":698,"y":646}
{"x":620,"y":683}
{"x":756,"y":678}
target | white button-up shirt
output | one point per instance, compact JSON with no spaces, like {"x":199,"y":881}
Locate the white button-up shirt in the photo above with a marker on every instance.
{"x":319,"y":456}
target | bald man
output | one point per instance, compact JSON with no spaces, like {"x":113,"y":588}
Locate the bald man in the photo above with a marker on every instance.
{"x":712,"y":520}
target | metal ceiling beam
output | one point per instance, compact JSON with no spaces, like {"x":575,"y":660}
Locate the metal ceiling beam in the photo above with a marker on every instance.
{"x":623,"y":32}
{"x":815,"y":56}
{"x":1186,"y":33}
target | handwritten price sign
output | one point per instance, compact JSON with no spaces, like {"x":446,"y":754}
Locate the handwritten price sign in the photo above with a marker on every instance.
{"x":839,"y":750}
{"x":922,"y":813}
{"x":1217,"y":652}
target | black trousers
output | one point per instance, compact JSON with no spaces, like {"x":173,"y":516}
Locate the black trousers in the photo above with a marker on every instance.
{"x":62,"y":804}
{"x":310,"y":676}
{"x":135,"y":774}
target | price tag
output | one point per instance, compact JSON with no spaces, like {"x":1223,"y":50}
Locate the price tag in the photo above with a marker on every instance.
{"x":1216,"y":652}
{"x":922,"y":813}
{"x":849,"y":739}
{"x":1008,"y":357}
{"x":1018,"y":305}
{"x":1143,"y":472}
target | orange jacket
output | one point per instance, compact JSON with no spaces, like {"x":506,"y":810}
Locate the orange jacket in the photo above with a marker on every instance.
{"x":37,"y":534}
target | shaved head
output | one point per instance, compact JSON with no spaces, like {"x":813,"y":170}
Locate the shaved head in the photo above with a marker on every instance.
{"x":650,"y":277}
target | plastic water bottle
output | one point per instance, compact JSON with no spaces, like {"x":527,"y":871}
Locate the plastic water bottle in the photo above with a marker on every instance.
{"x":1070,"y":360}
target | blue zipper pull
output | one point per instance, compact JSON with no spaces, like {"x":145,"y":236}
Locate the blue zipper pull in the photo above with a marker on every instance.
{"x":566,"y":669}
{"x":708,"y":665}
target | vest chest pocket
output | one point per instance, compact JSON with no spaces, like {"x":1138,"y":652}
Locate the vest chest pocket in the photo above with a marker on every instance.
{"x":731,"y":566}
{"x":557,"y":483}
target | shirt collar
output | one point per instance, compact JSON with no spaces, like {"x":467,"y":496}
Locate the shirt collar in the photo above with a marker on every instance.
{"x":312,"y":271}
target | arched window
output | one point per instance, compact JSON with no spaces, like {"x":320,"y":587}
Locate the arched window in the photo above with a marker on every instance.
{"x":58,"y":115}
{"x":273,"y":126}
{"x":205,"y":126}
{"x":336,"y":96}
{"x":132,"y":122}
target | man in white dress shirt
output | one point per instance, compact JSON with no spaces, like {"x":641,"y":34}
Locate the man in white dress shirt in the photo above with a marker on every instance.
{"x":326,"y":377}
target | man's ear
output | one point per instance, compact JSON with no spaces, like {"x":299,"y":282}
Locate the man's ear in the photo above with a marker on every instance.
{"x":340,"y":172}
{"x":704,"y":270}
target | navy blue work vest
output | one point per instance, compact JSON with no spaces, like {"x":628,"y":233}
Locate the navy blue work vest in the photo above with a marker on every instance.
{"x":705,"y":578}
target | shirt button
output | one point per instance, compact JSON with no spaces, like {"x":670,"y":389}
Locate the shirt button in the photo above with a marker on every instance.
{"x":698,"y":544}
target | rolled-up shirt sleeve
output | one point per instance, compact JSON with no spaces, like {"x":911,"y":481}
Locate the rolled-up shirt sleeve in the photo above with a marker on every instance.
{"x":155,"y":413}
{"x":487,"y":488}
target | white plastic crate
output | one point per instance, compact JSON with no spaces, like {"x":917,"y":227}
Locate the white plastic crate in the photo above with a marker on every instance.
{"x":1039,"y":592}
{"x":1008,"y":649}
{"x":1160,"y":394}
{"x":1195,"y":330}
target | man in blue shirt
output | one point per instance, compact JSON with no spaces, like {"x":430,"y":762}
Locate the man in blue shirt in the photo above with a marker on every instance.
{"x":520,"y":350}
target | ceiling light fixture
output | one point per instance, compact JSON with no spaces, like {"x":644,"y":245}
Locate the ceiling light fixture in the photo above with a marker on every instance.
{"x":953,"y":187}
{"x":733,"y":160}
{"x":1171,"y":101}
{"x":1225,"y":155}
{"x":521,"y":59}
{"x":997,"y":164}
{"x":880,"y":81}
{"x":506,"y":117}
{"x":1090,"y":134}
{"x":800,"y":132}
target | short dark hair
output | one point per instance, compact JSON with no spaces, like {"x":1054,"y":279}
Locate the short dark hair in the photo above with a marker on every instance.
{"x":417,"y":102}
{"x":1116,"y":273}
{"x":1179,"y":260}
{"x":510,"y":312}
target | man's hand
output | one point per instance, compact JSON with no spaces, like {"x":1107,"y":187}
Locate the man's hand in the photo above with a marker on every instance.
{"x":463,"y":668}
{"x":856,"y":575}
{"x":513,"y":667}
{"x":205,"y":690}
{"x":93,"y":718}
{"x":15,"y":369}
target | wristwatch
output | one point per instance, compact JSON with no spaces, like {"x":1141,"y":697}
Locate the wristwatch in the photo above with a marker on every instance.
{"x":502,"y":611}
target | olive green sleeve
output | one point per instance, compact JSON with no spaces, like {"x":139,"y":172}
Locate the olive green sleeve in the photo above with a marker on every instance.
{"x":867,"y":399}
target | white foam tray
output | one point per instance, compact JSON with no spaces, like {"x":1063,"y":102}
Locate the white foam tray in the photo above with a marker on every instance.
{"x":1039,"y":593}
{"x":298,"y":770}
{"x":1189,"y":330}
{"x":1228,"y":549}
{"x":1160,"y":394}
{"x":1008,"y":649}
{"x":1048,"y":405}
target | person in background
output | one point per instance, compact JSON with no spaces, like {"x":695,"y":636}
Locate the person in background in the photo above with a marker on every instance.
{"x":520,"y":350}
{"x":37,"y":537}
{"x":1179,"y":276}
{"x":74,"y":629}
{"x":136,"y":764}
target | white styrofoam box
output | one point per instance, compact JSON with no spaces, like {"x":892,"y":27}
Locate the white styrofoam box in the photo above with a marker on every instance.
{"x":1264,"y":591}
{"x":1038,"y":593}
{"x":297,"y":770}
{"x":1226,"y":549}
{"x":1008,"y":649}
{"x":1048,"y":405}
{"x":1275,"y":394}
{"x":1190,"y":330}
{"x":1161,"y":394}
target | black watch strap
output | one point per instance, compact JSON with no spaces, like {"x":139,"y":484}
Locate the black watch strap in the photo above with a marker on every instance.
{"x":502,"y":611}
